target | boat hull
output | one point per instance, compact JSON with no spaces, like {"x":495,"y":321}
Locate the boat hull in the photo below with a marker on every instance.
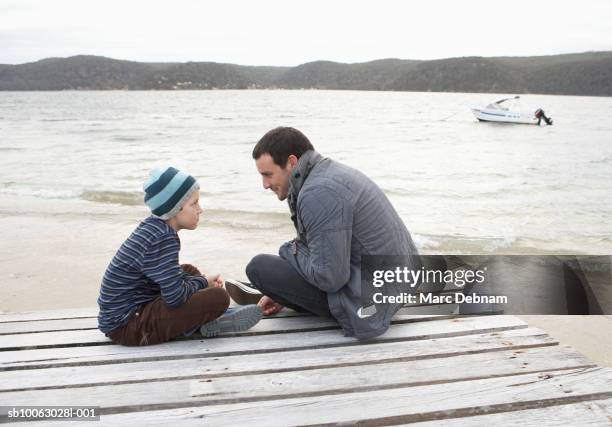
{"x":498,"y":116}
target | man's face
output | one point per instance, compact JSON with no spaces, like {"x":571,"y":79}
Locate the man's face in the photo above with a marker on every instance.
{"x":273,"y":176}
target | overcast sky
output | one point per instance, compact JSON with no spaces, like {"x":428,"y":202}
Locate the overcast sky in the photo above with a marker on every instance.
{"x":276,"y":32}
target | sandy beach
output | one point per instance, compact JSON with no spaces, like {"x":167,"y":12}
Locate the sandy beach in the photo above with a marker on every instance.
{"x":590,"y":335}
{"x":58,"y":252}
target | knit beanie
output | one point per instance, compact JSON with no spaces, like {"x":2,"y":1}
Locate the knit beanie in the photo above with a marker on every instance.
{"x":167,"y":190}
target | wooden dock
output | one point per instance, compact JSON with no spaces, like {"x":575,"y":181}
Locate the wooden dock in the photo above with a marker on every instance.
{"x":300,"y":370}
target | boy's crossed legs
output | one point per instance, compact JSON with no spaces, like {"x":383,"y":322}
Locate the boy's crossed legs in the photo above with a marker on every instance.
{"x":155,"y":322}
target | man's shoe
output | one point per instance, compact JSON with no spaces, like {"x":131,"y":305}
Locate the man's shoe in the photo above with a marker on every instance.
{"x":233,"y":320}
{"x":242,"y":292}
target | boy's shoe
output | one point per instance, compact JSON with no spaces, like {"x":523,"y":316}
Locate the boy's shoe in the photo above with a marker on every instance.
{"x":242,"y":293}
{"x":233,"y":320}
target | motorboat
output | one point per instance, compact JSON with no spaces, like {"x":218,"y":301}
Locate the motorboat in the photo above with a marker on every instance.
{"x":505,"y":110}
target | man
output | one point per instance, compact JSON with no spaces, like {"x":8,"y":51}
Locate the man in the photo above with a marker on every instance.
{"x":340,"y":215}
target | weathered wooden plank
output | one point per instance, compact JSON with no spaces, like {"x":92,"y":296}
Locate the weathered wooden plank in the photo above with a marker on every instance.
{"x":397,"y":405}
{"x":517,"y":339}
{"x":94,"y":337}
{"x":91,"y":323}
{"x":88,"y":312}
{"x":80,"y":337}
{"x":36,"y":326}
{"x":430,"y":310}
{"x":86,"y":323}
{"x":70,"y":313}
{"x":310,"y":382}
{"x":104,"y":354}
{"x":92,"y":312}
{"x":590,"y":413}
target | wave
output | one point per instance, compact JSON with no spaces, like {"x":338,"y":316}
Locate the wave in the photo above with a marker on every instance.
{"x":59,"y":120}
{"x":119,"y":197}
{"x":10,"y":189}
{"x":246,"y":220}
{"x":607,"y":159}
{"x":232,"y":218}
{"x":460,"y":244}
{"x":130,"y":198}
{"x":477,"y":176}
{"x":126,"y":198}
{"x":404,"y":192}
{"x":414,"y":193}
{"x":508,"y":190}
{"x":253,"y":223}
{"x":236,"y":219}
{"x":127,"y":138}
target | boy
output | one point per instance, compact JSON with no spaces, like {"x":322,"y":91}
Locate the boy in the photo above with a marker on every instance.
{"x":146,"y":297}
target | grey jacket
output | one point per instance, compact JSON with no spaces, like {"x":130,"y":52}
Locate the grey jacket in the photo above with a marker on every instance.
{"x":340,"y":215}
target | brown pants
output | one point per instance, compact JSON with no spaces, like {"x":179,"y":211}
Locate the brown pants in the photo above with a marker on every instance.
{"x":155,"y":322}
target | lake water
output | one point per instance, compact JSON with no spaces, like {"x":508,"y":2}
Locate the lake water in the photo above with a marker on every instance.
{"x":461,"y":186}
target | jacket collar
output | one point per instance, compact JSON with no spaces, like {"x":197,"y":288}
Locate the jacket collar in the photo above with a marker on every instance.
{"x":305,"y":164}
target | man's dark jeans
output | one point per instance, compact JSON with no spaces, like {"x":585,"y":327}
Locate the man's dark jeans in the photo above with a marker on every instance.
{"x":277,"y":279}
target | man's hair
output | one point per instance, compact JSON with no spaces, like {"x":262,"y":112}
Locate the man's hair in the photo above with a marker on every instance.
{"x":280,"y":143}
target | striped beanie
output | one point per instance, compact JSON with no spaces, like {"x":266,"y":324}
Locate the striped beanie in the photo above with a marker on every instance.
{"x":167,"y":190}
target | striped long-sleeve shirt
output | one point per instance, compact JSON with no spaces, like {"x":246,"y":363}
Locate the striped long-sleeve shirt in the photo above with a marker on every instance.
{"x":145,"y":266}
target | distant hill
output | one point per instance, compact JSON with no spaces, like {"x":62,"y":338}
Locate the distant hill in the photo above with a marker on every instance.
{"x":572,"y":74}
{"x":375,"y":75}
{"x":77,"y":72}
{"x":262,"y":77}
{"x":459,"y":75}
{"x":575,"y":74}
{"x":193,"y":75}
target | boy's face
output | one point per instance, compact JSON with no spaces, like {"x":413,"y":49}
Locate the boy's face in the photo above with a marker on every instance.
{"x":189,"y":215}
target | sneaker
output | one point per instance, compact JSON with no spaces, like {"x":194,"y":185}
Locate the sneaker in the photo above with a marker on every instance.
{"x":243,"y":293}
{"x":233,"y":320}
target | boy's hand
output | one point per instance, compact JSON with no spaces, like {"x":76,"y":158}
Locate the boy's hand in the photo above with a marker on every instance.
{"x":269,"y":306}
{"x":190,"y":269}
{"x":215,"y":281}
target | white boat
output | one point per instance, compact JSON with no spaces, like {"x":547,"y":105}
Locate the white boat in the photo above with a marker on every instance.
{"x":509,"y":113}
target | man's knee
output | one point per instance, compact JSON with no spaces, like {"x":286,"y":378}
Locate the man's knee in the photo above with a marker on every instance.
{"x":256,"y":266}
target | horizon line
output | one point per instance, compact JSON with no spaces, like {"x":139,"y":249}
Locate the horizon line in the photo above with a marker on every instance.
{"x":309,"y":62}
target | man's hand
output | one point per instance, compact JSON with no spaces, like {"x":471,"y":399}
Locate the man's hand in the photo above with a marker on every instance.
{"x":268,"y":306}
{"x":190,"y":269}
{"x":215,"y":281}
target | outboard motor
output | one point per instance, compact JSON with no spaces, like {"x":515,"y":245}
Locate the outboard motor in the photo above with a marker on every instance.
{"x":540,"y":115}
